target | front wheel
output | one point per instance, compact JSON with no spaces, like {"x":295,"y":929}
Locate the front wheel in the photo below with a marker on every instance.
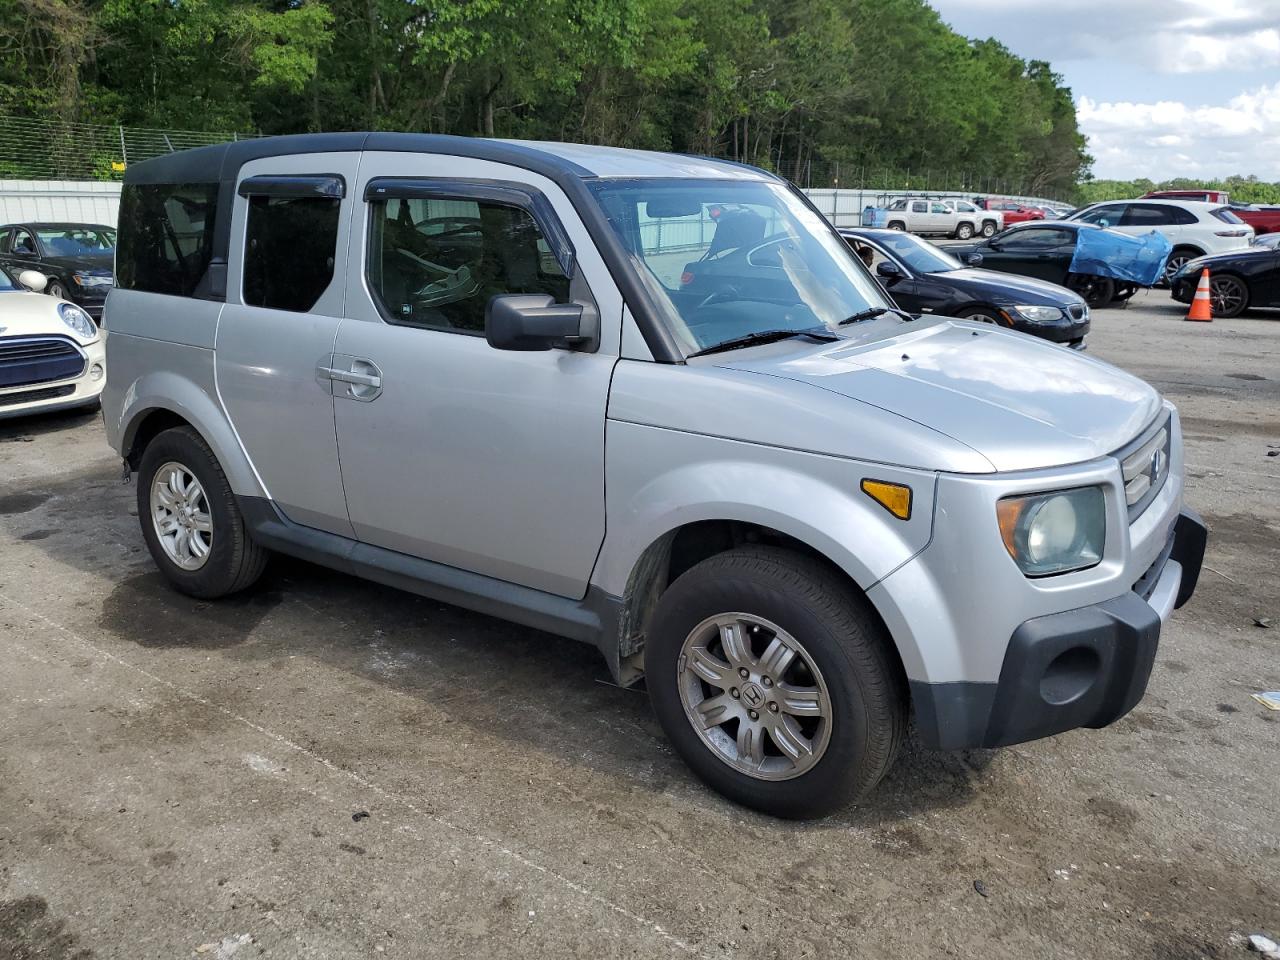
{"x":775,"y":683}
{"x":897,"y":225}
{"x":190,"y":520}
{"x":989,"y":229}
{"x":964,"y":231}
{"x":1228,"y":295}
{"x":54,"y":288}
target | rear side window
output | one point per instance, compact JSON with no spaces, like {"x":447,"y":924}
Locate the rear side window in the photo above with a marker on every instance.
{"x":1149,"y":215}
{"x":1226,"y":215}
{"x":166,"y":236}
{"x":289,"y":249}
{"x":436,"y":263}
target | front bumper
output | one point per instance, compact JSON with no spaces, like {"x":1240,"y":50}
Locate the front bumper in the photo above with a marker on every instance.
{"x":1086,"y":667}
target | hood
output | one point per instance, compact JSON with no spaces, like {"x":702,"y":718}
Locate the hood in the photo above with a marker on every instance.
{"x":1231,"y":256}
{"x":1028,"y":288}
{"x":27,"y":314}
{"x":1020,"y":402}
{"x":83,"y":261}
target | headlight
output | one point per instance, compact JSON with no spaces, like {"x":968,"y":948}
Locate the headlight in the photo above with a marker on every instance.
{"x":1039,"y":314}
{"x":93,"y":279}
{"x":1054,"y":532}
{"x":77,"y":320}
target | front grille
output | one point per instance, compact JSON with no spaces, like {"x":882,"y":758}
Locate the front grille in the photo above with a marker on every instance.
{"x":25,"y":361}
{"x":1145,"y":466}
{"x":31,"y":396}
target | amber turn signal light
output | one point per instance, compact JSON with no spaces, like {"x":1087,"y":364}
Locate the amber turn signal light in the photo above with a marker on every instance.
{"x":894,"y":497}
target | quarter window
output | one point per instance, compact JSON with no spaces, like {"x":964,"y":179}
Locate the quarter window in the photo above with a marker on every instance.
{"x":436,"y":263}
{"x":289,"y":250}
{"x":166,"y":236}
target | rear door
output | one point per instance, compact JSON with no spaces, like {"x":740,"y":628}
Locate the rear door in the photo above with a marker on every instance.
{"x":1142,"y":218}
{"x":285,"y":292}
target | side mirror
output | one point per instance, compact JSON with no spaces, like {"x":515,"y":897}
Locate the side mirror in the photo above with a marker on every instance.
{"x":533,"y":321}
{"x":889,"y":270}
{"x":974,"y":259}
{"x":33,"y":280}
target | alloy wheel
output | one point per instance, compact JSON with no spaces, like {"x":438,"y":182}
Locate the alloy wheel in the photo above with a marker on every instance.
{"x":754,"y":696}
{"x":1226,"y":295}
{"x":181,"y":517}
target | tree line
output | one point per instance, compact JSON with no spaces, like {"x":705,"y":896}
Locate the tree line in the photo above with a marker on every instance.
{"x":1242,"y":189}
{"x":802,"y":87}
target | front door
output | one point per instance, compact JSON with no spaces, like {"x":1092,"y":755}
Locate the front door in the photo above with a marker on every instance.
{"x":285,"y":291}
{"x":486,"y":460}
{"x":1042,"y":252}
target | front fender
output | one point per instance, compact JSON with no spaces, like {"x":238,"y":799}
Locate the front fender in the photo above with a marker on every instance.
{"x":660,"y":480}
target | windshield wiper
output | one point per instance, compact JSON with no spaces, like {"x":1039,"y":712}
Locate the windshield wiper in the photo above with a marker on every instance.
{"x":874,"y":312}
{"x":765,"y":336}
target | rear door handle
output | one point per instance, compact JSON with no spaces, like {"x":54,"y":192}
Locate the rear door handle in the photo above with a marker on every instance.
{"x":352,"y":377}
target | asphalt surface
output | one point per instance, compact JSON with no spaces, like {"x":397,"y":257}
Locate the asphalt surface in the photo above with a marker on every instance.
{"x":186,"y":779}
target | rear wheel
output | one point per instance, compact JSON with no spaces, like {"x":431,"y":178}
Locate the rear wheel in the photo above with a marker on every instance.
{"x":774,"y":682}
{"x":1228,"y":295}
{"x":1095,"y":291}
{"x":964,"y":231}
{"x":190,"y":520}
{"x":1177,"y":260}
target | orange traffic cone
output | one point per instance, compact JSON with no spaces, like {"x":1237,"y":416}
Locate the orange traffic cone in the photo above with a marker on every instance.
{"x":1201,"y":304}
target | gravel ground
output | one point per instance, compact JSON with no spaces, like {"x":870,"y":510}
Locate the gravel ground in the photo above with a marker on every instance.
{"x":186,"y":779}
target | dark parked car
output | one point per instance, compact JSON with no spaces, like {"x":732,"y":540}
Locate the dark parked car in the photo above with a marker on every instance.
{"x":1269,"y":241}
{"x":76,"y":257}
{"x":1044,"y":251}
{"x":1237,"y":281}
{"x":923,"y":278}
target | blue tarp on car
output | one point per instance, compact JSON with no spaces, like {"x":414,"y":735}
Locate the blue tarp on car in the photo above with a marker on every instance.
{"x":1108,"y":253}
{"x":875,"y":217}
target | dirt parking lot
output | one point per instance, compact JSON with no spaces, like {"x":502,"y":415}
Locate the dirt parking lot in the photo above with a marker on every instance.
{"x":328,"y":768}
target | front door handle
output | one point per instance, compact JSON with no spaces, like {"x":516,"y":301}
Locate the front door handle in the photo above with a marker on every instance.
{"x":352,"y":377}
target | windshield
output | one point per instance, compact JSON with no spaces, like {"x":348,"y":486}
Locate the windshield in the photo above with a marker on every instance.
{"x":920,"y":255}
{"x":76,"y":241}
{"x":723,"y":259}
{"x":6,"y":283}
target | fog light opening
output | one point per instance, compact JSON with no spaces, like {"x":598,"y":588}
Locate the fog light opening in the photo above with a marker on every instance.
{"x":1070,"y":675}
{"x":95,"y":372}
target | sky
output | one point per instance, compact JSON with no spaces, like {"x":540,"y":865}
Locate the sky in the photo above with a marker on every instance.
{"x":1163,"y":88}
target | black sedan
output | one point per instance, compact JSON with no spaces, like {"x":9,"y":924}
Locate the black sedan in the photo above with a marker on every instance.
{"x":925,"y":279}
{"x":1237,"y":280}
{"x":1044,"y":251}
{"x":76,"y":257}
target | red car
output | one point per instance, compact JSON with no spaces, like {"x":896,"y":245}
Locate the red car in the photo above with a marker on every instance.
{"x":1014,"y":212}
{"x":1205,"y":196}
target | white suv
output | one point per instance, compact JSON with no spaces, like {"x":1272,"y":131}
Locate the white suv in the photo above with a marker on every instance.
{"x":1194,"y":228}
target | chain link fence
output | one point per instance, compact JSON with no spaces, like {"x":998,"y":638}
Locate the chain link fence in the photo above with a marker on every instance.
{"x":56,"y":150}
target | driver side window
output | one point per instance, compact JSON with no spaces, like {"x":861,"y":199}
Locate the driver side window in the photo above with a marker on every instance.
{"x":23,"y":242}
{"x":436,"y":263}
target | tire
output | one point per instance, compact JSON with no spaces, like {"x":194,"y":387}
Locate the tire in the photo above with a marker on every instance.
{"x":983,"y":315}
{"x":231,"y":560}
{"x":1229,"y":295}
{"x":1096,"y":291}
{"x":898,"y":225}
{"x":54,"y":288}
{"x":1177,"y":257}
{"x":846,"y":686}
{"x":964,"y":231}
{"x":988,"y":228}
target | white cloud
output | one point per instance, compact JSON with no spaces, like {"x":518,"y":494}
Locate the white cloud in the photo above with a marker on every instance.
{"x":1167,"y":36}
{"x":1170,"y":138}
